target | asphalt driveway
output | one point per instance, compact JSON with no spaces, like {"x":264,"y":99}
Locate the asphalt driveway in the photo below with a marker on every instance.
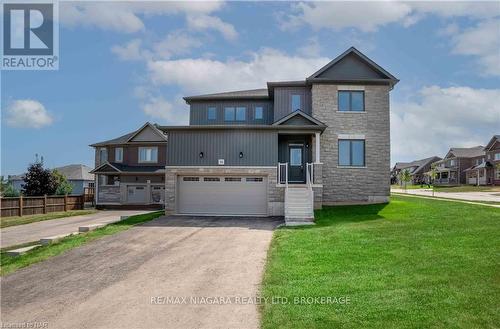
{"x":14,"y":235}
{"x":132,"y":279}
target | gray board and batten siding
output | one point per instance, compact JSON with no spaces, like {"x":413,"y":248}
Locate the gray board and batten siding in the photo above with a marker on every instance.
{"x":257,"y":147}
{"x":199,"y":112}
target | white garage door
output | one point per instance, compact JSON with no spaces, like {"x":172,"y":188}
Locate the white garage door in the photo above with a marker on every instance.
{"x":222,"y":195}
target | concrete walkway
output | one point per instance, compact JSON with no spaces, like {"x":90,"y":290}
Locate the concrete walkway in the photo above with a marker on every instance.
{"x":14,"y":235}
{"x":166,"y":273}
{"x":467,"y":196}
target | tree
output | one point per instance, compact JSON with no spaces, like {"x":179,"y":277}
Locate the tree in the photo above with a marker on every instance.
{"x":7,"y":189}
{"x":63,"y":186}
{"x":405,"y":177}
{"x":39,"y":181}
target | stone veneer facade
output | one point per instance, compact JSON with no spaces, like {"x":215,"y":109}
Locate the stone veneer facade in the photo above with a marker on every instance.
{"x":345,"y":185}
{"x":275,"y":194}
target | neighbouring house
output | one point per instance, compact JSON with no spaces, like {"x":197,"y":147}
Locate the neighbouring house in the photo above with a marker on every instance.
{"x":455,"y":167}
{"x":492,"y":151}
{"x":130,"y":169}
{"x":280,"y":150}
{"x":417,"y":169}
{"x":78,"y":176}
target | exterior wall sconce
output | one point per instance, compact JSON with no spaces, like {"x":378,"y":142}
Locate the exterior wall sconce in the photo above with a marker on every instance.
{"x":201,"y":155}
{"x":241,"y":155}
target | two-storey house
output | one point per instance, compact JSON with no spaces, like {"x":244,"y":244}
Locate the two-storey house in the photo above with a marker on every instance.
{"x":452,"y":169}
{"x":416,"y":168}
{"x":492,"y":151}
{"x":130,"y":170}
{"x":280,"y":150}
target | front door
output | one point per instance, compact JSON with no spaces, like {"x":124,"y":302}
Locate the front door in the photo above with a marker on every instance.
{"x":296,"y":173}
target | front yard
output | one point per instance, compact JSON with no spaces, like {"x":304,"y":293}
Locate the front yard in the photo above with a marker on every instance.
{"x":412,"y":263}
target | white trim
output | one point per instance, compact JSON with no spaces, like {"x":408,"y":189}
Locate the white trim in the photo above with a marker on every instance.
{"x":350,"y":87}
{"x":147,"y":161}
{"x":350,"y":112}
{"x":317,"y":140}
{"x":351,"y":136}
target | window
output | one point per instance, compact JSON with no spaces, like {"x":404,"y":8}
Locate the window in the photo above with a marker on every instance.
{"x":212,"y":113}
{"x":148,"y":154}
{"x":351,"y":152}
{"x":211,"y":179}
{"x":254,"y":179}
{"x":296,"y":102}
{"x":241,"y":113}
{"x":497,"y":156}
{"x":103,"y":155}
{"x":229,"y":114}
{"x":191,"y":179}
{"x":295,"y":156}
{"x":119,"y":154}
{"x":259,"y":113}
{"x":452,"y":163}
{"x":351,"y":101}
{"x":232,"y":179}
{"x":112,"y":180}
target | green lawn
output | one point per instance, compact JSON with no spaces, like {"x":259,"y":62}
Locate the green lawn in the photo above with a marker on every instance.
{"x":413,"y":263}
{"x":16,"y":220}
{"x":411,"y":187}
{"x":9,"y":264}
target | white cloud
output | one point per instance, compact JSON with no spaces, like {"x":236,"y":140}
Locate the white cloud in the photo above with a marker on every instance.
{"x":205,"y":75}
{"x":204,"y":22}
{"x":443,"y":118}
{"x":483,"y":41}
{"x":312,"y":48}
{"x":170,"y":113}
{"x":27,"y":113}
{"x":127,"y":17}
{"x":369,"y":16}
{"x":175,"y":43}
{"x":131,"y":51}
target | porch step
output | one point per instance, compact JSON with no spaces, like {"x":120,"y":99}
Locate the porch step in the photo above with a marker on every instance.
{"x":298,"y":206}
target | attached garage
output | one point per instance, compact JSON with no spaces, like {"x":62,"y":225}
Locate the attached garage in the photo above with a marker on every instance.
{"x":222,"y":195}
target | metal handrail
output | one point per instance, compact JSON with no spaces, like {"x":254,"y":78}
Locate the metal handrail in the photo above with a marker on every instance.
{"x":281,"y":171}
{"x":310,"y":181}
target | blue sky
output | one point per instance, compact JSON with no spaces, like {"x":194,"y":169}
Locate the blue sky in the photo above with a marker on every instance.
{"x":122,"y":64}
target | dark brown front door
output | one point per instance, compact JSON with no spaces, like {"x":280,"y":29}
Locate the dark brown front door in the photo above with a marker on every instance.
{"x":296,"y":171}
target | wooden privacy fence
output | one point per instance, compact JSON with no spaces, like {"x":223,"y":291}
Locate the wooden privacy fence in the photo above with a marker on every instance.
{"x":33,"y":205}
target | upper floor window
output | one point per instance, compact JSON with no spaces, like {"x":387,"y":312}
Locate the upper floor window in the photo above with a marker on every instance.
{"x":229,"y":114}
{"x":497,"y":156}
{"x":296,"y":101}
{"x":452,"y":162}
{"x":212,"y":113}
{"x":259,"y":113}
{"x":351,"y":152}
{"x":103,"y":155}
{"x":241,"y":113}
{"x":119,"y":154}
{"x":351,"y":101}
{"x":148,"y":154}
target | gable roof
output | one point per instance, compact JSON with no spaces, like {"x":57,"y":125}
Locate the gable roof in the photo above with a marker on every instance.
{"x":152,"y":127}
{"x":309,"y":119}
{"x":495,"y":138}
{"x":129,"y":136}
{"x":466,"y":152}
{"x":76,"y":172}
{"x":353,"y":66}
{"x":105,"y":168}
{"x":239,"y":94}
{"x":113,"y":167}
{"x":418,"y":165}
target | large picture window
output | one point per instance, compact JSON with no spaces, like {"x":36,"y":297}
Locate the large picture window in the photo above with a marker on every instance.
{"x":352,"y":152}
{"x":351,"y":101}
{"x":148,"y":154}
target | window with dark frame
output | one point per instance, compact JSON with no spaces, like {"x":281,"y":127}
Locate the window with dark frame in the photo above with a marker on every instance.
{"x":259,"y":113}
{"x":296,"y":102}
{"x":229,"y":114}
{"x":241,"y":113}
{"x":351,"y":152}
{"x":212,"y":113}
{"x":351,"y":101}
